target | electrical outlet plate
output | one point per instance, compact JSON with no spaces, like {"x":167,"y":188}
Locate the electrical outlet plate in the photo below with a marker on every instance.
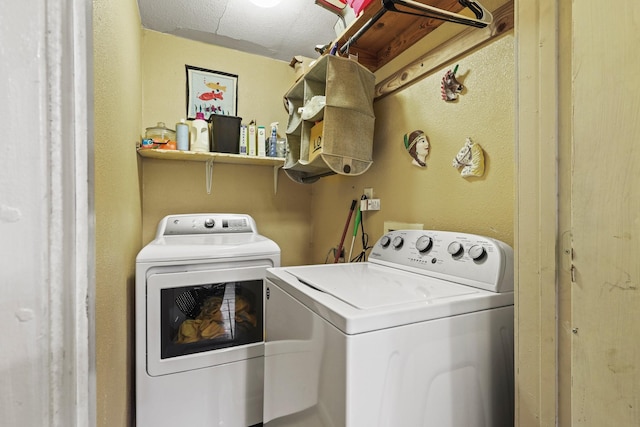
{"x":396,"y":225}
{"x":368,"y":192}
{"x":373,"y":204}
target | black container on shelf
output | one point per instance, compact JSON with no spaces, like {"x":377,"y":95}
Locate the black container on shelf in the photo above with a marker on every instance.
{"x":225,"y":133}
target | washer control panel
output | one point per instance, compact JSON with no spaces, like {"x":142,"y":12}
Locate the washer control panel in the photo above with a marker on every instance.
{"x":464,"y":258}
{"x":177,"y":225}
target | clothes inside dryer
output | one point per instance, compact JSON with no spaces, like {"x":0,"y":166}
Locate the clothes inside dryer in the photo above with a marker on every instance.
{"x":209,"y":317}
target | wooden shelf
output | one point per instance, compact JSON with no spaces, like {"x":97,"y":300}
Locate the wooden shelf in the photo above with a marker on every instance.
{"x":194,"y":156}
{"x":392,"y":34}
{"x":210,"y":158}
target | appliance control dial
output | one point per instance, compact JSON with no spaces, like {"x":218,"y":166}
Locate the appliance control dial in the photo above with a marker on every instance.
{"x":398,"y":241}
{"x":209,"y":223}
{"x":455,"y":249}
{"x":477,"y":252}
{"x":384,"y":241}
{"x":424,"y":244}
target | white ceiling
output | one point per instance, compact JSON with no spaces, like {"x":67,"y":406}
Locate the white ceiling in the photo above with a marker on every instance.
{"x":293,"y":27}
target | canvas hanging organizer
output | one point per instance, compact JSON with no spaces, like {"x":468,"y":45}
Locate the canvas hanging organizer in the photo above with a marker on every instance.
{"x":331,"y":121}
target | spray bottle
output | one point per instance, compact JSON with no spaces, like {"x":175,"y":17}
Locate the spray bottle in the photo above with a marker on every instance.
{"x":273,"y":140}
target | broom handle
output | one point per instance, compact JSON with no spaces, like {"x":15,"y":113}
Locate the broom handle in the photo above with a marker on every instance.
{"x":344,"y":232}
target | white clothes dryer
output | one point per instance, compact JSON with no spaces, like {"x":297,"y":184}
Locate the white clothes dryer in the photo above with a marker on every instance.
{"x":419,"y":335}
{"x":199,"y":315}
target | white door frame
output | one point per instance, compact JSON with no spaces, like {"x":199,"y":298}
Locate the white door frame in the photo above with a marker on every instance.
{"x":71,"y":232}
{"x":537,"y":216}
{"x":47,"y":351}
{"x":71,"y":261}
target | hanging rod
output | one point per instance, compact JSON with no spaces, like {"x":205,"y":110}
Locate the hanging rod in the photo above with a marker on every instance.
{"x":410,"y":7}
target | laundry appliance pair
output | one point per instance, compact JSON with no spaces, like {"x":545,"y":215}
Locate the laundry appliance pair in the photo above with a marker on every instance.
{"x":419,"y":335}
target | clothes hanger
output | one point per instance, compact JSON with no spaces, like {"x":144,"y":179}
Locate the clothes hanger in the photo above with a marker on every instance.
{"x":482,"y":16}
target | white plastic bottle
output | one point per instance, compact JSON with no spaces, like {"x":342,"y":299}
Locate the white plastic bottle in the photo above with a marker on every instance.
{"x":200,"y":134}
{"x":182,"y":135}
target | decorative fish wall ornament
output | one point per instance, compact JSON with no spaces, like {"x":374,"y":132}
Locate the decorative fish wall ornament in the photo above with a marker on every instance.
{"x":471,"y":159}
{"x":449,"y":86}
{"x":417,"y":145}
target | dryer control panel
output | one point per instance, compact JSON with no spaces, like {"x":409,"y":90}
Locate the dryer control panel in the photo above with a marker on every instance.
{"x":177,"y":225}
{"x":464,"y":258}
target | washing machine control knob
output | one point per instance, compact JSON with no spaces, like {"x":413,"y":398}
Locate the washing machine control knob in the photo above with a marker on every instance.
{"x":384,"y":242}
{"x":424,"y":244}
{"x":455,"y":249}
{"x":477,"y":252}
{"x":209,"y":223}
{"x":398,"y":241}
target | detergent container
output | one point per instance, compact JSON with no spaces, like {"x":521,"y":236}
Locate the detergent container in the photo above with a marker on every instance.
{"x":200,"y":134}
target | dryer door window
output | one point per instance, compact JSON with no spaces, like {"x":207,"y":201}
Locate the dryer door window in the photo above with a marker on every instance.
{"x":210,"y":316}
{"x":196,"y":319}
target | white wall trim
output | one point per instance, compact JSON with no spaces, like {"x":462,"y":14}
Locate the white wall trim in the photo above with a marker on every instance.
{"x":71,"y":236}
{"x":536,"y":212}
{"x":46,"y":218}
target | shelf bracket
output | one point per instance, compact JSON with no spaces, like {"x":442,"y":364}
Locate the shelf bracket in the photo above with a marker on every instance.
{"x":208,"y":170}
{"x":276,"y":168}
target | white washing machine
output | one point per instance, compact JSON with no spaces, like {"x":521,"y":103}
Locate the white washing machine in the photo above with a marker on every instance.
{"x":199,"y":314}
{"x":420,"y":335}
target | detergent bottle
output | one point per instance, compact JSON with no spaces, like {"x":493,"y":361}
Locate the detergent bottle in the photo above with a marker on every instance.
{"x":200,"y":134}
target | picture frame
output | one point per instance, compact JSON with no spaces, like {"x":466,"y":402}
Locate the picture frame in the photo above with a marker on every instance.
{"x":211,"y":92}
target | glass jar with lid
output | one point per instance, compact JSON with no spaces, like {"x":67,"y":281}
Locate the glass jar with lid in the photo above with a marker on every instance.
{"x":161,"y":137}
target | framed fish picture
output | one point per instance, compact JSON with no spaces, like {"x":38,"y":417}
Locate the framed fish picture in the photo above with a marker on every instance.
{"x":211,"y":92}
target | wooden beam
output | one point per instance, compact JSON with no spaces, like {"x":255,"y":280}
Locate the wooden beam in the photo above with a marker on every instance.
{"x":466,"y":41}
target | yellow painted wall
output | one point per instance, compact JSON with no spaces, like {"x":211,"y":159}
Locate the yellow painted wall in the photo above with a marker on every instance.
{"x":437,"y":195}
{"x":179,"y":186}
{"x":262,"y":82}
{"x":117,"y":113}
